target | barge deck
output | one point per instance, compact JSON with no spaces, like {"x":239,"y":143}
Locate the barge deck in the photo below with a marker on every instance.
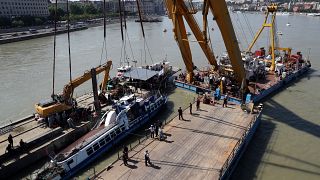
{"x":206,"y":145}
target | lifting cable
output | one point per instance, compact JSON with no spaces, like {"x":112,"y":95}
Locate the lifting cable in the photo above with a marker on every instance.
{"x":209,"y":39}
{"x":276,"y":36}
{"x":250,"y":28}
{"x":104,"y":44}
{"x":69,"y":50}
{"x":233,"y":18}
{"x":126,"y":36}
{"x":54,"y":47}
{"x":242,"y":30}
{"x":145,"y":45}
{"x":121,"y":28}
{"x":140,"y":17}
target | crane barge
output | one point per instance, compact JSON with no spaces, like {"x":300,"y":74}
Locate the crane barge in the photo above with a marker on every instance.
{"x":245,"y":76}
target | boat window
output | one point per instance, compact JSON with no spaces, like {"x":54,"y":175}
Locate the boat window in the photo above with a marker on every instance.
{"x":96,"y":146}
{"x":89,"y":151}
{"x":107,"y":138}
{"x":118,"y":131}
{"x":70,"y":162}
{"x":112,"y":135}
{"x":102,"y":142}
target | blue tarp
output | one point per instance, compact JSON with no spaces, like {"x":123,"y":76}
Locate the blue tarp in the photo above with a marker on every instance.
{"x":140,"y":74}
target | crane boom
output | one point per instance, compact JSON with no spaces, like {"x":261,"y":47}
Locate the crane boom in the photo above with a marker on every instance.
{"x":63,"y":102}
{"x":177,"y":9}
{"x":221,"y":14}
{"x":68,"y":88}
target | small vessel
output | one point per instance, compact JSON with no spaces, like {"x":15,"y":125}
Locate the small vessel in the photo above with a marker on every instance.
{"x":288,"y":24}
{"x":123,"y":69}
{"x":164,"y":30}
{"x":279,"y":33}
{"x":125,"y":116}
{"x":151,"y":20}
{"x":189,"y":34}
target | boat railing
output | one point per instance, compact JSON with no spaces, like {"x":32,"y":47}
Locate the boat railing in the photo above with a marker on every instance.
{"x":225,"y":168}
{"x":94,"y":173}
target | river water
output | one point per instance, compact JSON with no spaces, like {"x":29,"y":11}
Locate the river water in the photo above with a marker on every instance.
{"x":285,"y":146}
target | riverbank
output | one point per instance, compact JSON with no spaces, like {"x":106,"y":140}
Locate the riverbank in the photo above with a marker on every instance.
{"x":27,"y":33}
{"x":33,"y":34}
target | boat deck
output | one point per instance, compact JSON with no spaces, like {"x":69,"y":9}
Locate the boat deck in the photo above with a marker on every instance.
{"x":27,"y":130}
{"x":30,"y":129}
{"x":195,"y":148}
{"x":270,"y":81}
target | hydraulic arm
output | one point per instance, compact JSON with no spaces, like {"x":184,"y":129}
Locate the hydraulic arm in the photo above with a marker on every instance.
{"x":64,"y":102}
{"x":68,"y":88}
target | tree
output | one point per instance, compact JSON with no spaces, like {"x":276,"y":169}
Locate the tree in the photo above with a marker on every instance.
{"x":90,"y":9}
{"x":27,"y":20}
{"x":5,"y":22}
{"x":76,"y":9}
{"x":60,"y":13}
{"x":17,"y":23}
{"x":38,"y":21}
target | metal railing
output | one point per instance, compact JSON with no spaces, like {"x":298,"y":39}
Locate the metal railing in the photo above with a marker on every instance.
{"x":131,"y":146}
{"x":236,"y":148}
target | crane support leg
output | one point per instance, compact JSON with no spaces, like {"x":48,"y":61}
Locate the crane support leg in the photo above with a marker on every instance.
{"x":199,"y":35}
{"x":272,"y":44}
{"x":221,"y":14}
{"x":95,"y":90}
{"x":180,"y":35}
{"x":258,"y":34}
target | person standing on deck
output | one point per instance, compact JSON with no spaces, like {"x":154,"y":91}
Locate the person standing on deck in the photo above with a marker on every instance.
{"x":125,"y":156}
{"x":190,"y":108}
{"x":225,"y":101}
{"x":147,"y":158}
{"x":198,"y":104}
{"x":180,"y":113}
{"x":156,"y":128}
{"x":70,"y":123}
{"x":151,"y":131}
{"x":10,"y":140}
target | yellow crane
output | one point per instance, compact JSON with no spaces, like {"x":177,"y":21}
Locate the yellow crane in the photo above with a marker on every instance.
{"x":270,"y":23}
{"x":64,"y":102}
{"x":177,"y":9}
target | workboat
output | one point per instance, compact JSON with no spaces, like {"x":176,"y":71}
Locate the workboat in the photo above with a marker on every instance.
{"x":124,"y":117}
{"x":148,"y":20}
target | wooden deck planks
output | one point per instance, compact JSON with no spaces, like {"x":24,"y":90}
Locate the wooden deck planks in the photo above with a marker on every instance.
{"x":197,"y":148}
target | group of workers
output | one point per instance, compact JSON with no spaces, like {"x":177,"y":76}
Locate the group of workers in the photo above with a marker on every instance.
{"x":10,"y":147}
{"x":156,"y":130}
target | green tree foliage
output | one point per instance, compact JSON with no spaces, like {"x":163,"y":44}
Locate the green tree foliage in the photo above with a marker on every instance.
{"x":76,"y":9}
{"x":5,"y":22}
{"x":27,"y":20}
{"x":60,"y":13}
{"x":38,"y":21}
{"x":17,"y":23}
{"x":90,"y":9}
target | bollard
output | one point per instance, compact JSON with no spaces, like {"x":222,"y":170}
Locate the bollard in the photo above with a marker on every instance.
{"x":139,"y":140}
{"x":118,"y":155}
{"x":130,"y":147}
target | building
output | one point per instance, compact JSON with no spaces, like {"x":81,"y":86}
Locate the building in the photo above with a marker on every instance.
{"x":14,"y":8}
{"x":61,"y":4}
